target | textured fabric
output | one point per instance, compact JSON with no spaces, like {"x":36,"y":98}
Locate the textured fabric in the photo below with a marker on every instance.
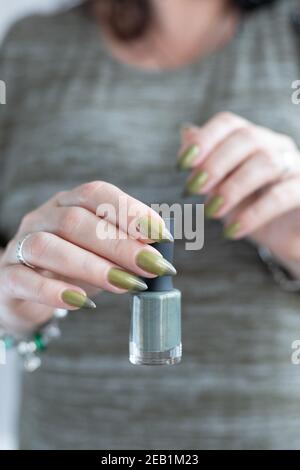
{"x":76,"y":115}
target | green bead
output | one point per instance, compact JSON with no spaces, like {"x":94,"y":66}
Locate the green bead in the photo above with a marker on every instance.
{"x":9,"y":342}
{"x":195,"y":184}
{"x":39,"y":342}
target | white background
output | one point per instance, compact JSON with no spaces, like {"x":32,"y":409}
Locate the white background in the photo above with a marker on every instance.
{"x":10,"y":11}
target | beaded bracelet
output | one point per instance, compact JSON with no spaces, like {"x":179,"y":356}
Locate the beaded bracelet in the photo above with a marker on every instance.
{"x":29,"y":348}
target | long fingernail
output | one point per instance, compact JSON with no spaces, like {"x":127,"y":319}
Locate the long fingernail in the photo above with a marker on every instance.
{"x":76,"y":299}
{"x":125,"y":280}
{"x":187,"y":158}
{"x":154,"y":229}
{"x":213,"y":206}
{"x":155,"y":264}
{"x":194,"y":185}
{"x":231,"y":231}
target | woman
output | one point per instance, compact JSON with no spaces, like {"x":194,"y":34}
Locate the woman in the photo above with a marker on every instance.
{"x":95,"y":102}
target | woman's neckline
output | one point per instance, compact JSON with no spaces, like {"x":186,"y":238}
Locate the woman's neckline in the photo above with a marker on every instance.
{"x":105,"y":49}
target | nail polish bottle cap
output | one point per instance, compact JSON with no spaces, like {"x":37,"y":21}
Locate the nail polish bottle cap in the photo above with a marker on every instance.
{"x":163,"y":283}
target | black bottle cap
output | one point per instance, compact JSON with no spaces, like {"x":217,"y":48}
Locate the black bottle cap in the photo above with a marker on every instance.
{"x":163,"y":283}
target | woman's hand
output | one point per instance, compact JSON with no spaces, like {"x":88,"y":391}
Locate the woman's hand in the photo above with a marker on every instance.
{"x":93,"y":237}
{"x":251,"y":176}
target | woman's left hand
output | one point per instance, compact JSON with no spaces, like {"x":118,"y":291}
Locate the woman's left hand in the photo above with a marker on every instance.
{"x":251,"y":176}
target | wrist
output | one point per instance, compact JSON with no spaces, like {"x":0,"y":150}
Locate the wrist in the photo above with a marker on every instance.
{"x":31,"y":345}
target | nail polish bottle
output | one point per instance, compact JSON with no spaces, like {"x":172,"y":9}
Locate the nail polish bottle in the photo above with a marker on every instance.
{"x":155,"y":330}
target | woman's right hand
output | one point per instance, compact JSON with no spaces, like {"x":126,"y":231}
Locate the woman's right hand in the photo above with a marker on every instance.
{"x":94,"y":237}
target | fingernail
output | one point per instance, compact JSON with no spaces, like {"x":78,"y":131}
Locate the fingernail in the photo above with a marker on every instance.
{"x":155,"y":264}
{"x":125,"y":280}
{"x":213,"y":206}
{"x":154,"y":229}
{"x":187,"y":158}
{"x":197,"y":182}
{"x":76,"y":299}
{"x":232,"y":230}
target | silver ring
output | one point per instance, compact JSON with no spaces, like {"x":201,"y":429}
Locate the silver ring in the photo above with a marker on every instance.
{"x":19,"y":253}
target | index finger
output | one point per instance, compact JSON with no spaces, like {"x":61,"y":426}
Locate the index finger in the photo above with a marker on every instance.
{"x":109,"y":202}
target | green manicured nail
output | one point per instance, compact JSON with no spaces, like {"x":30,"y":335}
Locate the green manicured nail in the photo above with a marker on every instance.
{"x":155,"y":264}
{"x":213,"y":206}
{"x":231,"y":231}
{"x":125,"y":280}
{"x":188,"y":157}
{"x":154,"y":229}
{"x":196,"y":182}
{"x":76,"y":299}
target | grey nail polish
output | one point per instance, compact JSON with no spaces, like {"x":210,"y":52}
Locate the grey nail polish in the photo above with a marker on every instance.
{"x":155,"y":331}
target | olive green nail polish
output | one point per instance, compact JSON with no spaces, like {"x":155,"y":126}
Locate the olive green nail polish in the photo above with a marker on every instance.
{"x":154,"y":229}
{"x":155,"y":264}
{"x":125,"y":280}
{"x":196,"y":182}
{"x":188,"y":157}
{"x":213,"y":206}
{"x":231,"y":231}
{"x":76,"y":299}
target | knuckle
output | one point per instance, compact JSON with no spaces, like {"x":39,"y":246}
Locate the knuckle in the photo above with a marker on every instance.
{"x":247,"y":132}
{"x":226,"y":116}
{"x":87,"y":190}
{"x":71,"y":219}
{"x":28,"y":220}
{"x":270,"y":159}
{"x":60,"y":195}
{"x":38,"y":244}
{"x":90,"y":187}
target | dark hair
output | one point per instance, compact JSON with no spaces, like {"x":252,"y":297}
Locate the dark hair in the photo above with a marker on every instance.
{"x":129,"y":19}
